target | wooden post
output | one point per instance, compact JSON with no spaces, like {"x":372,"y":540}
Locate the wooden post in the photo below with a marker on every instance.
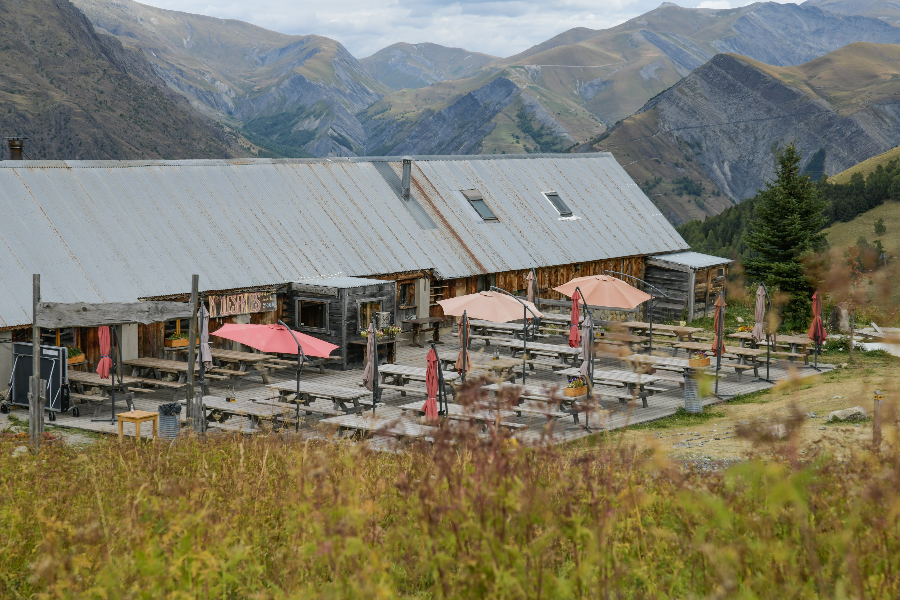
{"x":692,"y":293}
{"x":194,"y":407}
{"x":35,"y":407}
{"x":876,"y":419}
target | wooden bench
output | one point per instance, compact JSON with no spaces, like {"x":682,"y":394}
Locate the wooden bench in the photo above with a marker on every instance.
{"x":303,"y":408}
{"x":281,"y":363}
{"x":402,"y":389}
{"x":739,"y":369}
{"x":791,"y":356}
{"x":172,"y":385}
{"x":532,"y":410}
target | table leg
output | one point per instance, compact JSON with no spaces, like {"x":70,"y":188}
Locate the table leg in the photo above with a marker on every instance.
{"x":121,"y":433}
{"x":155,"y":426}
{"x":137,"y":430}
{"x":437,"y":334}
{"x":416,"y":330}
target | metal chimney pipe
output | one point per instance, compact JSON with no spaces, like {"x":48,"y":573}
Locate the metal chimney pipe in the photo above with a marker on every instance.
{"x":407,"y":173}
{"x":16,"y":147}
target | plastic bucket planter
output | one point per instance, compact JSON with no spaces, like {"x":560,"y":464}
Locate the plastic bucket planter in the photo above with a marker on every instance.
{"x":693,"y":403}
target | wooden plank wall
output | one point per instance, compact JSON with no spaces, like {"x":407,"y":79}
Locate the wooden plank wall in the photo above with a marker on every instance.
{"x":675,"y":285}
{"x":548,"y":277}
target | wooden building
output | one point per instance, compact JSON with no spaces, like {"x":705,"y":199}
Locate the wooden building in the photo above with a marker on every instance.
{"x":691,"y":280}
{"x":258,"y":231}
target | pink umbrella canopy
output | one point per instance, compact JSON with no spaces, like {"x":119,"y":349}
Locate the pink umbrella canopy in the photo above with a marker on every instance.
{"x":105,"y":363}
{"x":489,"y":306}
{"x":431,"y":387}
{"x":603,"y":290}
{"x":817,"y":331}
{"x":274,"y":338}
{"x":574,"y":333}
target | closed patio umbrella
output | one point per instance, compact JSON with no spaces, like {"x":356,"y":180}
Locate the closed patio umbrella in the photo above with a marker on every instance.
{"x":718,"y":329}
{"x":370,"y":375}
{"x":463,"y":361}
{"x":574,"y":334}
{"x":529,"y":286}
{"x":759,"y":313}
{"x":431,"y":387}
{"x":105,"y":363}
{"x":587,"y":348}
{"x":205,"y":353}
{"x":817,"y":331}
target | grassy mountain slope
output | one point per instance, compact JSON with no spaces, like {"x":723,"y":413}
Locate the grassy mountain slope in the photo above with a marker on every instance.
{"x":842,"y":235}
{"x":723,"y":122}
{"x":402,"y":65}
{"x":866,"y":166}
{"x":238,"y":72}
{"x":80,"y":95}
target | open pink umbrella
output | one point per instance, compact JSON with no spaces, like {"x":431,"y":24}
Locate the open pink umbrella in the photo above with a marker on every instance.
{"x":574,"y":333}
{"x":105,"y":363}
{"x":604,"y":290}
{"x":274,"y":338}
{"x":431,"y":387}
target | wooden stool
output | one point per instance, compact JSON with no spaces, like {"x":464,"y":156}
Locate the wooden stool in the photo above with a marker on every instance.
{"x":137,"y":417}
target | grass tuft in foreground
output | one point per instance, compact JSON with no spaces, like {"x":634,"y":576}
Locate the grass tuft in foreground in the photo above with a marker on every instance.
{"x":271,"y":517}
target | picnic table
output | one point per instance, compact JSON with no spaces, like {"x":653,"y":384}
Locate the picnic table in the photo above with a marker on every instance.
{"x":636,"y":383}
{"x":81,"y":380}
{"x":479,"y":413}
{"x":309,"y":391}
{"x":799,"y":344}
{"x":485,"y":328}
{"x":417,"y":329}
{"x":502,"y":368}
{"x":248,"y":362}
{"x":221,"y":410}
{"x":401,"y":375}
{"x":380,"y":425}
{"x":748,"y":358}
{"x":563,"y":353}
{"x":682,"y":334}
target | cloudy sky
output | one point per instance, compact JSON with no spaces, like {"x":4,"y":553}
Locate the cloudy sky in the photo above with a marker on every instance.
{"x":498,"y":27}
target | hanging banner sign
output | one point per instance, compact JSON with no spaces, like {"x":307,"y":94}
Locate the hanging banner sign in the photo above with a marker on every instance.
{"x":241,"y":304}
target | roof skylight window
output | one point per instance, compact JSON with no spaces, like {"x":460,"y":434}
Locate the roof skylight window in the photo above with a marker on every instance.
{"x":558,"y":204}
{"x":477,"y":201}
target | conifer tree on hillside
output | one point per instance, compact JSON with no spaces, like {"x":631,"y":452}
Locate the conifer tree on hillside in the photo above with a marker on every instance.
{"x":786,"y":229}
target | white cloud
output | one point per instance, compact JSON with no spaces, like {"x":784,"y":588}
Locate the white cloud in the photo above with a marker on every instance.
{"x":498,"y":27}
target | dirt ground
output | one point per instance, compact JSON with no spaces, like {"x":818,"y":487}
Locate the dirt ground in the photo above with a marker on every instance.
{"x":808,"y":402}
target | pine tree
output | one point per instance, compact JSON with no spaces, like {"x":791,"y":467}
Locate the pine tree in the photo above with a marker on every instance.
{"x":787,"y":229}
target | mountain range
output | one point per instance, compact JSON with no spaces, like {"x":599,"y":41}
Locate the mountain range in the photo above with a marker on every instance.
{"x":79,"y":95}
{"x":693,"y":102}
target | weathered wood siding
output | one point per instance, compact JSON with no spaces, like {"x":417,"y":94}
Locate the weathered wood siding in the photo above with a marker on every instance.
{"x":675,"y":285}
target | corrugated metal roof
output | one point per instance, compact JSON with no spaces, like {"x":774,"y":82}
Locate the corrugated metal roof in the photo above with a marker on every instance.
{"x":343,"y":283}
{"x":694,"y":260}
{"x":114,"y":231}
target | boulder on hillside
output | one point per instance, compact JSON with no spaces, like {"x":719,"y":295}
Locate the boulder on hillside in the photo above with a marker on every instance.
{"x":857,"y":413}
{"x":839,"y":319}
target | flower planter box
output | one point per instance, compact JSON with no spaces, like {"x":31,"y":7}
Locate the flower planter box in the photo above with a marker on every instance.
{"x":575,"y":392}
{"x":76,"y":360}
{"x":699,"y":362}
{"x":177,"y":343}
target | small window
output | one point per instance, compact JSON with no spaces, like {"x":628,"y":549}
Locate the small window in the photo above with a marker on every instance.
{"x":312,"y":315}
{"x":406,"y":295}
{"x":366,"y":311}
{"x":558,"y":204}
{"x":477,"y":201}
{"x":484,"y":283}
{"x":720,"y":272}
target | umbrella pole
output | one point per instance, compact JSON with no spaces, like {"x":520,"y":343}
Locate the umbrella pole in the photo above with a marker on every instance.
{"x":374,"y":369}
{"x":301,"y":358}
{"x":524,"y":342}
{"x":465,"y":353}
{"x":719,"y":343}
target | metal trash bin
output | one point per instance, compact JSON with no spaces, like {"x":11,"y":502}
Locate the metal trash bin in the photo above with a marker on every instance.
{"x":169,"y":421}
{"x":693,"y":402}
